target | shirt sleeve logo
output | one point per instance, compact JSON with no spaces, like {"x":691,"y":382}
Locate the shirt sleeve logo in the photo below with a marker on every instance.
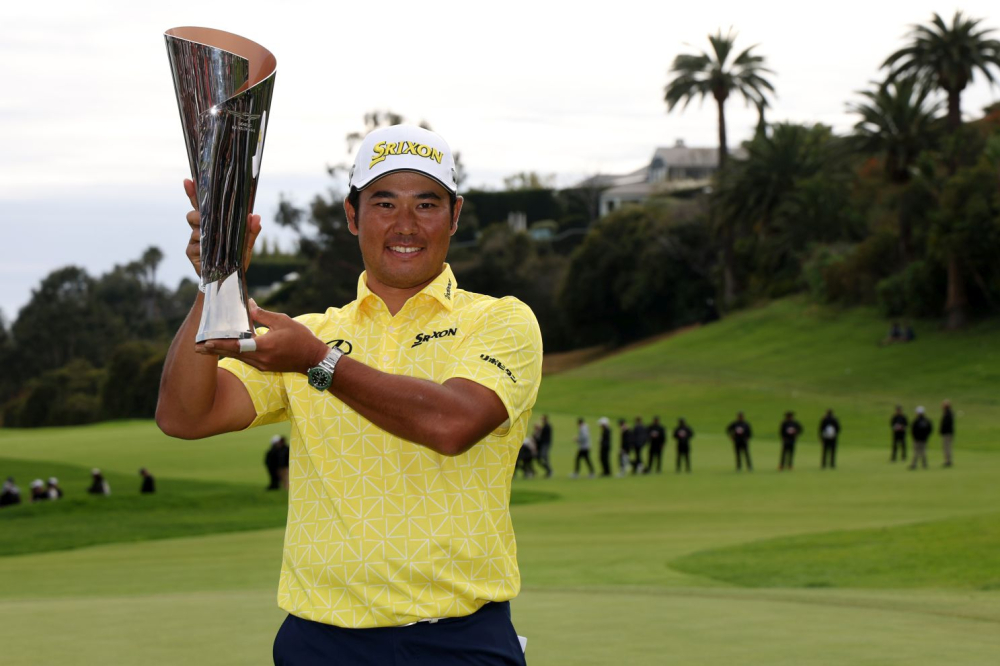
{"x":425,"y":337}
{"x":498,"y":364}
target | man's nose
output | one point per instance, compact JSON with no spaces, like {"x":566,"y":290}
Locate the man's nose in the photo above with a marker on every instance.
{"x":406,"y":221}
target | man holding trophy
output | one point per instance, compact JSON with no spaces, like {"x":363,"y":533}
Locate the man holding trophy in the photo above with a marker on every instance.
{"x":399,"y":546}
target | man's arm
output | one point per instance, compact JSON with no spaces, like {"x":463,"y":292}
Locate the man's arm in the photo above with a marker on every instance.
{"x":448,"y":418}
{"x":197,"y":399}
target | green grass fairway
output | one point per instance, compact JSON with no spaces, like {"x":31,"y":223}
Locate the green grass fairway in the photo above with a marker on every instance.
{"x":870,"y":564}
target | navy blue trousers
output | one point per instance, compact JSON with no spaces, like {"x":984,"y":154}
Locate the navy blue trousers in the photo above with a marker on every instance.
{"x":485,"y":638}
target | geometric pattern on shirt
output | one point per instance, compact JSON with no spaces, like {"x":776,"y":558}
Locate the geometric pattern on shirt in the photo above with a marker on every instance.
{"x":382,"y":531}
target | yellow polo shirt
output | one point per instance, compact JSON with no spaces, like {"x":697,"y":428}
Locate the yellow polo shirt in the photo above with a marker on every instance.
{"x":382,"y":531}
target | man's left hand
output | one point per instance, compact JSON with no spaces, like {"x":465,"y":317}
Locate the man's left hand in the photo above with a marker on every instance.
{"x":288,"y":346}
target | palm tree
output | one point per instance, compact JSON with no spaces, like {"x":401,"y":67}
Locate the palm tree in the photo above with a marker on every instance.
{"x":712,"y":73}
{"x":150,"y":260}
{"x":947,"y":57}
{"x":898,"y":121}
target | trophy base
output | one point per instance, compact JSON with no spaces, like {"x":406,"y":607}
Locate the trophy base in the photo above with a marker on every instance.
{"x":224,"y":315}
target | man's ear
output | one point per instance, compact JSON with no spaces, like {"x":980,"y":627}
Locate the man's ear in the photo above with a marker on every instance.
{"x":352,"y":216}
{"x":454,"y":218}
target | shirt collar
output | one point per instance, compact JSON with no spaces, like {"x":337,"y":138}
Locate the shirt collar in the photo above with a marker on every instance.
{"x":442,"y":289}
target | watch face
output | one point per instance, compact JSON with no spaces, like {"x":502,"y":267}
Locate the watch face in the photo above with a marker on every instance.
{"x":320,"y":378}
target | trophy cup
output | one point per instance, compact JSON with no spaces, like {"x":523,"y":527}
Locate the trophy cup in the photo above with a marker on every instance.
{"x":223,"y":84}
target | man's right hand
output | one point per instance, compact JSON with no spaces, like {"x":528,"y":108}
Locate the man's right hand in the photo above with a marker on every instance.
{"x":193,"y":250}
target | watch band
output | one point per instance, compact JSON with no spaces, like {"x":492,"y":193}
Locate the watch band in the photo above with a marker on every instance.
{"x":321,"y":376}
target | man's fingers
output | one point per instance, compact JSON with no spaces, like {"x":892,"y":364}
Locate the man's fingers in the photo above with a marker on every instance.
{"x":261,"y":316}
{"x":189,"y":190}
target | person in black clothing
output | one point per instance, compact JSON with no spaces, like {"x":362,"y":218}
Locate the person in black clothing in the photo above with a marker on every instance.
{"x":625,"y":447}
{"x":10,"y":494}
{"x":98,"y":484}
{"x":272,"y":461}
{"x":898,"y":423}
{"x":829,"y":430}
{"x":657,"y":440}
{"x":740,"y":432}
{"x":683,"y":435}
{"x":544,"y":445}
{"x":947,"y":431}
{"x":789,"y":432}
{"x":38,"y":492}
{"x":148,"y":482}
{"x":605,"y":451}
{"x":639,"y":438}
{"x":922,"y":429}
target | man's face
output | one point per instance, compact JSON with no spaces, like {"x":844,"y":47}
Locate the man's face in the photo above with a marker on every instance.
{"x":404,"y":225}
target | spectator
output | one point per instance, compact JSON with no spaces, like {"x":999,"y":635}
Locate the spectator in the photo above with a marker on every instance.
{"x":921,"y":430}
{"x":98,"y":485}
{"x":605,"y":445}
{"x":10,"y":494}
{"x":148,"y":482}
{"x":545,"y":445}
{"x":583,"y":452}
{"x":898,"y":423}
{"x":657,"y":439}
{"x":38,"y":493}
{"x":53,"y":489}
{"x":895,"y":334}
{"x":789,"y":432}
{"x":526,"y":455}
{"x":272,"y":461}
{"x":947,"y":431}
{"x":740,"y":432}
{"x":683,"y":435}
{"x":639,"y":438}
{"x":625,"y":446}
{"x":829,"y":431}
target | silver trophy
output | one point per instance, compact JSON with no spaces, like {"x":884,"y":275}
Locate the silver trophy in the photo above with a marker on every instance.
{"x":223,"y":84}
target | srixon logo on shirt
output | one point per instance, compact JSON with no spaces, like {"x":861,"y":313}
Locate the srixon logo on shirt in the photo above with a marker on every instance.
{"x":425,"y":337}
{"x":493,"y":361}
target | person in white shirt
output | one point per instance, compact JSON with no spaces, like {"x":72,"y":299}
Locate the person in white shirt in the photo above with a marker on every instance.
{"x":583,"y":452}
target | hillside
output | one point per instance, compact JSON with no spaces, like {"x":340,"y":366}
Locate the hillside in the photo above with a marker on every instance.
{"x":791,"y":354}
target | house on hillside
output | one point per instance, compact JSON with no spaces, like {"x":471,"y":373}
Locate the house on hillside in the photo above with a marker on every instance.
{"x":674,"y":169}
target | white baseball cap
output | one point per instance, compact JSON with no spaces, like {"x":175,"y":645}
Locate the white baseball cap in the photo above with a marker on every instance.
{"x":920,"y":410}
{"x":404,"y":148}
{"x":276,"y":439}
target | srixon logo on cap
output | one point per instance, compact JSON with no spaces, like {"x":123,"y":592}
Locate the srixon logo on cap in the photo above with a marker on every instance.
{"x":384,"y":149}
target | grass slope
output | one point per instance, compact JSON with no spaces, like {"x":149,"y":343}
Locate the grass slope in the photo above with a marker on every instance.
{"x":641,"y":570}
{"x":792,"y":355}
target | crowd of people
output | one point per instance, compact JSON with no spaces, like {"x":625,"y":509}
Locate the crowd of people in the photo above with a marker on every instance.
{"x":42,"y":491}
{"x":641,"y":446}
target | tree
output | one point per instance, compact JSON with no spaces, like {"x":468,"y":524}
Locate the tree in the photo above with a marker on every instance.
{"x":899,"y":122}
{"x":640,"y":271}
{"x":711,"y":73}
{"x":792,"y":189}
{"x":947,"y":56}
{"x":150,"y":260}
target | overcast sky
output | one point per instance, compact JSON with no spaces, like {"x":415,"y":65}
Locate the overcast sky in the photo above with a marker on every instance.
{"x":92,"y":156}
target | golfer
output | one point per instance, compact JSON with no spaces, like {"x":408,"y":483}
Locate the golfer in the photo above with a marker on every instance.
{"x":399,"y":547}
